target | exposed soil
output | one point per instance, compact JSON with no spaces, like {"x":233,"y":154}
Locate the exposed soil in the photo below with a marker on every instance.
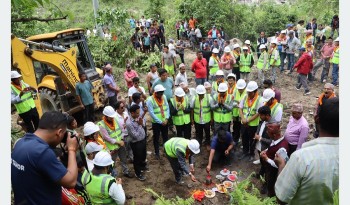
{"x":161,"y":178}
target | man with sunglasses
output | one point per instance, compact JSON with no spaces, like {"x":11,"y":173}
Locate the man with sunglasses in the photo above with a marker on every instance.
{"x":36,"y":173}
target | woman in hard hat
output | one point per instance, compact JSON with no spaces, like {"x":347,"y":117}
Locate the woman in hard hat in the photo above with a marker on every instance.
{"x":102,"y":187}
{"x":91,"y":134}
{"x":227,"y":61}
{"x":180,"y":113}
{"x":177,"y":150}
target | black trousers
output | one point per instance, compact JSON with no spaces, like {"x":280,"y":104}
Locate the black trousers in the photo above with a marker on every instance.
{"x":292,"y":148}
{"x":237,"y":73}
{"x":184,"y":130}
{"x":155,"y":41}
{"x":113,"y":101}
{"x":140,"y":153}
{"x":89,"y":113}
{"x":157,"y":130}
{"x":182,"y":57}
{"x":236,"y":130}
{"x":175,"y":165}
{"x":199,"y":132}
{"x":247,"y":139}
{"x":31,"y":119}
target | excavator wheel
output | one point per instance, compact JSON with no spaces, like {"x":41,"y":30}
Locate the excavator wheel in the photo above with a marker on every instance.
{"x":49,"y":100}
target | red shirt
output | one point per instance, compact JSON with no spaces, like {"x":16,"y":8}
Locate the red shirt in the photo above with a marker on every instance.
{"x":130,"y":75}
{"x":200,"y":68}
{"x":304,"y":64}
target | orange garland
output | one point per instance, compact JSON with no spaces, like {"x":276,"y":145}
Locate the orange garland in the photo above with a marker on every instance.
{"x":322,"y":96}
{"x":219,"y":95}
{"x":159,"y":103}
{"x":252,"y":101}
{"x":110,"y":126}
{"x":274,"y":102}
{"x":230,"y":90}
{"x":17,"y":86}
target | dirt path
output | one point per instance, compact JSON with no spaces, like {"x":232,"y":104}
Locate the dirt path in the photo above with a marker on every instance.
{"x":161,"y":178}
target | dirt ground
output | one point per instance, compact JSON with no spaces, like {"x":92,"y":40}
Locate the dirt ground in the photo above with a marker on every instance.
{"x":161,"y":178}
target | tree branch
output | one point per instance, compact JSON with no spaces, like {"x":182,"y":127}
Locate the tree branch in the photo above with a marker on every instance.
{"x":38,"y":19}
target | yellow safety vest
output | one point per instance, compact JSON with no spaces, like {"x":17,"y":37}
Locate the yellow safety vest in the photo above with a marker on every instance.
{"x":206,"y":114}
{"x":245,"y":63}
{"x":215,"y":67}
{"x":260,"y":64}
{"x":181,"y":118}
{"x":237,"y":98}
{"x":27,"y":102}
{"x":335,"y":58}
{"x":215,"y":86}
{"x":115,"y":134}
{"x":221,"y":115}
{"x":272,"y":58}
{"x":176,"y":143}
{"x":156,"y":108}
{"x":249,"y":112}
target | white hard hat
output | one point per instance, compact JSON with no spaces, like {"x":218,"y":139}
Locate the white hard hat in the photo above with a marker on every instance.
{"x":200,"y":89}
{"x":159,"y":88}
{"x":252,"y":85}
{"x":219,"y":72}
{"x":90,"y":128}
{"x":262,"y":46}
{"x":109,"y":111}
{"x":274,"y":41}
{"x":15,"y":74}
{"x":183,"y":85}
{"x":236,"y":46}
{"x":179,"y":92}
{"x":241,"y":84}
{"x":207,"y":85}
{"x":103,"y":159}
{"x":227,"y":49}
{"x":193,"y":145}
{"x":268,"y":94}
{"x":92,"y":147}
{"x":245,"y":48}
{"x":284,"y":31}
{"x":222,"y":87}
{"x":215,"y":50}
{"x":337,"y":39}
{"x":247,"y":42}
{"x":231,"y":75}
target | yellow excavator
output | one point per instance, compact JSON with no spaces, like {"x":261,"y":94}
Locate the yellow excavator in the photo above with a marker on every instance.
{"x":51,"y":63}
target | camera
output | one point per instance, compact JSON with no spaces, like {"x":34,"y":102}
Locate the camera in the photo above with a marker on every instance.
{"x":72,"y":134}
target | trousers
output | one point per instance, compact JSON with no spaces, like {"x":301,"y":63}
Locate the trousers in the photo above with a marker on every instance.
{"x":31,"y":119}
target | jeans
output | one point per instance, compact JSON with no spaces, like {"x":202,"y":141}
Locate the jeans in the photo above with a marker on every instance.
{"x":199,"y":132}
{"x":200,"y":81}
{"x":175,"y":165}
{"x":248,"y":142}
{"x":31,"y":119}
{"x":283,"y":57}
{"x":325,"y":70}
{"x":140,"y":153}
{"x":261,"y":75}
{"x":129,"y":153}
{"x":224,"y":125}
{"x":335,"y":73}
{"x":219,"y":156}
{"x":291,"y":61}
{"x":302,"y":81}
{"x":155,"y":41}
{"x":245,"y":76}
{"x":157,"y":130}
{"x":121,"y":153}
{"x":273,"y":74}
{"x":89,"y":113}
{"x":182,"y":58}
{"x":184,"y":130}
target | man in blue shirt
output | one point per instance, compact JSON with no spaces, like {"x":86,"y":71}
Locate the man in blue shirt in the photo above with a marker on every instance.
{"x":166,"y":82}
{"x":85,"y":97}
{"x":221,"y":148}
{"x":36,"y":174}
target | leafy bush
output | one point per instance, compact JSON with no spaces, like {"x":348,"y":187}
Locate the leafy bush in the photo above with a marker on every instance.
{"x":172,"y":201}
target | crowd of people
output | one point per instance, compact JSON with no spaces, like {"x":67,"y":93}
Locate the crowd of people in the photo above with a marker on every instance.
{"x":225,"y":108}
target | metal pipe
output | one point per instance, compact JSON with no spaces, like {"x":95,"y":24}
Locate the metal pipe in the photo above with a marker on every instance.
{"x":44,"y":45}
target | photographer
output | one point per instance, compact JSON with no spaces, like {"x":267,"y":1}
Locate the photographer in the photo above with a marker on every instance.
{"x":36,"y":174}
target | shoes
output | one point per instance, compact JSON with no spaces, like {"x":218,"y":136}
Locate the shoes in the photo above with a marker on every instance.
{"x":307,"y":93}
{"x":296,"y":87}
{"x":180,"y":182}
{"x":324,"y":80}
{"x":251,"y":158}
{"x":128,"y":175}
{"x":146,"y":169}
{"x":256,"y":161}
{"x":140,"y":177}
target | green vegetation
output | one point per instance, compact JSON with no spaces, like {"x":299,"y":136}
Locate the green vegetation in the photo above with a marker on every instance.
{"x":160,"y":200}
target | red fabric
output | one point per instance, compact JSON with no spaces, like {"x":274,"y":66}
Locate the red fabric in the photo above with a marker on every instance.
{"x":71,"y":197}
{"x":200,"y":68}
{"x":130,"y":75}
{"x":271,"y":151}
{"x":211,"y":32}
{"x":304,"y":64}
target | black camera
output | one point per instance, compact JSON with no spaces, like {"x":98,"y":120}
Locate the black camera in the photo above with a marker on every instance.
{"x":72,"y":134}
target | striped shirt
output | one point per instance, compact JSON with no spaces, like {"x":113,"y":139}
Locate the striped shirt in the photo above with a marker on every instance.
{"x":311,"y":176}
{"x":135,"y":131}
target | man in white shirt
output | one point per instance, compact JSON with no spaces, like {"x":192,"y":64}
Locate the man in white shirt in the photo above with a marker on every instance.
{"x":172,"y":47}
{"x":181,"y":76}
{"x":91,"y":150}
{"x":143,"y":21}
{"x":136,"y":89}
{"x":122,"y":117}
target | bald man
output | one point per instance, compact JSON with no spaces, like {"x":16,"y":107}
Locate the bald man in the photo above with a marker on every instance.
{"x":278,"y":144}
{"x":328,"y":92}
